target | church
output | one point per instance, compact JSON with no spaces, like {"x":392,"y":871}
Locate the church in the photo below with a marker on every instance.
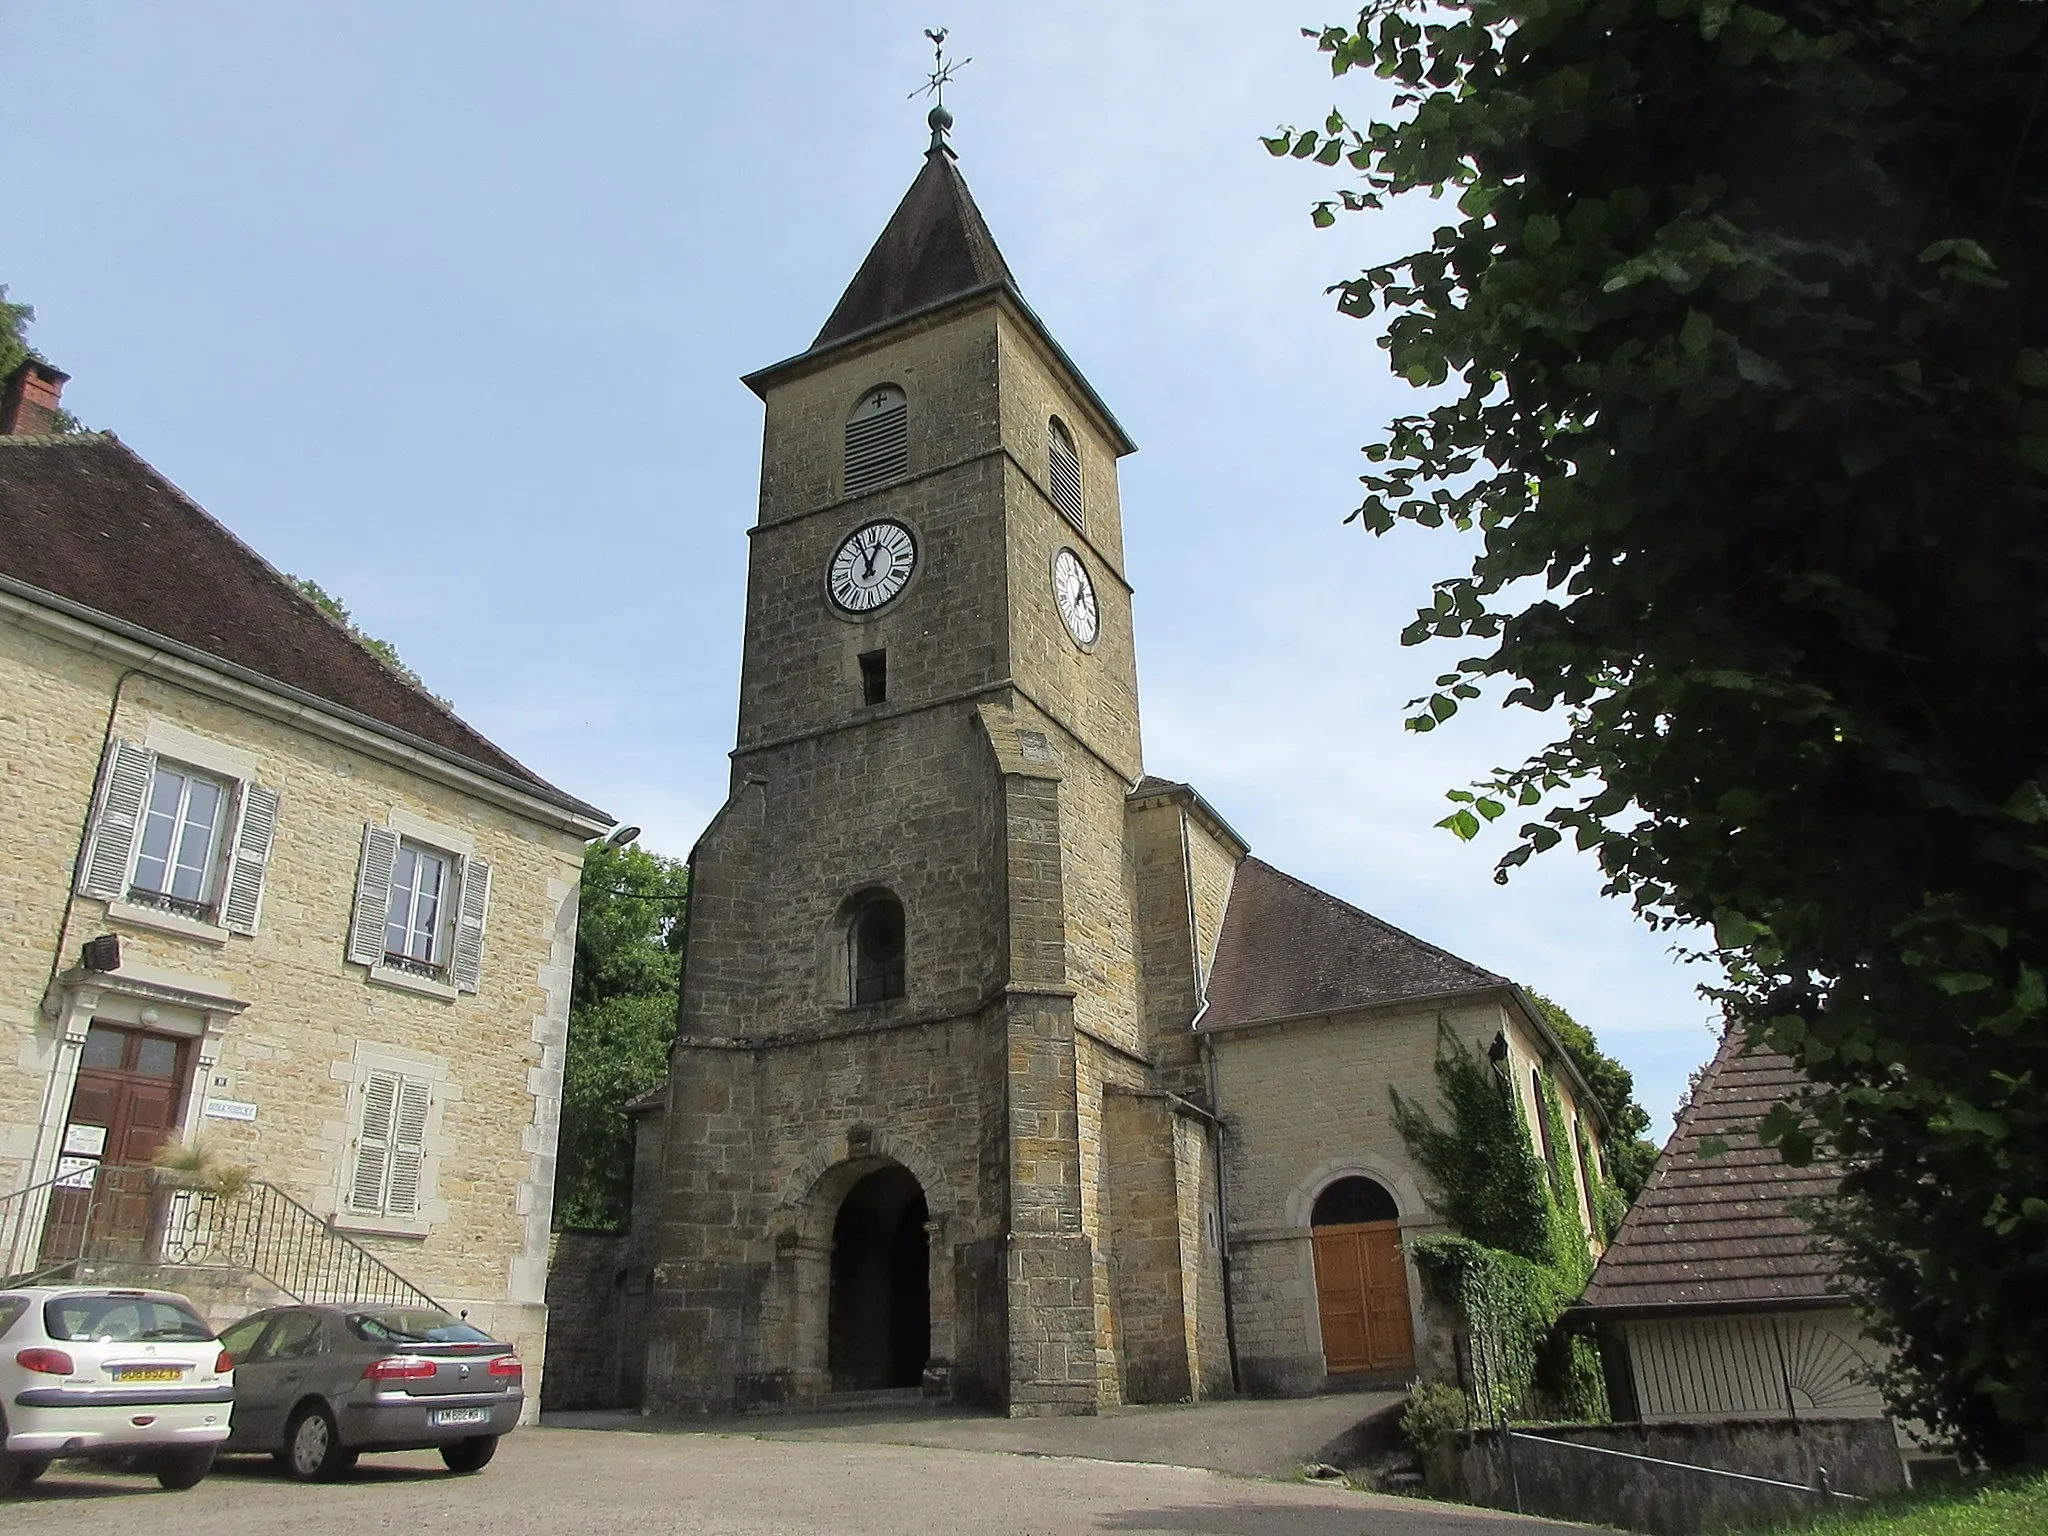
{"x":1004,"y":1074}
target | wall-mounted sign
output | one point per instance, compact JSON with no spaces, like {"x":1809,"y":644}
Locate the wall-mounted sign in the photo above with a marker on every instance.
{"x":85,"y":1140}
{"x":230,"y":1109}
{"x":76,"y":1172}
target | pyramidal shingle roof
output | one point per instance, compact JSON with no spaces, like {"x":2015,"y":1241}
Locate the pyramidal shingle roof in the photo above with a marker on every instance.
{"x":1719,"y":1231}
{"x":936,"y":245}
{"x":87,"y":519}
{"x":1289,"y":950}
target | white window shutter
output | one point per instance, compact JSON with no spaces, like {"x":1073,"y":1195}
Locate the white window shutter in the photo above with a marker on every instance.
{"x":117,"y":821}
{"x":249,"y":859}
{"x":373,"y":896}
{"x":469,"y":924}
{"x":373,"y":1141}
{"x":408,"y":1149}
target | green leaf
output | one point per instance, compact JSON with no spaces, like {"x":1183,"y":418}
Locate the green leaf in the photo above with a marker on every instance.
{"x":1463,"y":823}
{"x":1322,"y":216}
{"x":1711,"y":1147}
{"x":1960,"y":983}
{"x":2031,"y":368}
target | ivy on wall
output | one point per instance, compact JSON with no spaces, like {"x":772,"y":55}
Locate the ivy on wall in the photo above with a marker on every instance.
{"x":1521,"y":1255}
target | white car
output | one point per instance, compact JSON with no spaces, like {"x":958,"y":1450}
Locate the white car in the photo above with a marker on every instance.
{"x":91,"y":1371}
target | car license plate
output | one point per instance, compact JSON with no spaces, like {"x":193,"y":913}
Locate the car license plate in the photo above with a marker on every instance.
{"x":462,"y":1416}
{"x":149,"y":1373}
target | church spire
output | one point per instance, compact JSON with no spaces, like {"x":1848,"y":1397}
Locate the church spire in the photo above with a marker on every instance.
{"x":935,"y":246}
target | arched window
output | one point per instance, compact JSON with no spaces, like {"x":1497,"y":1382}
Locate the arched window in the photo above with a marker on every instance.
{"x":1353,"y":1200}
{"x":877,"y":439}
{"x":1064,"y":470}
{"x":874,"y":949}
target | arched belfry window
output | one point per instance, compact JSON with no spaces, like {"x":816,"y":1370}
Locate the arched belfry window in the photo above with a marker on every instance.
{"x":1064,"y":470}
{"x":877,"y":439}
{"x":874,"y":949}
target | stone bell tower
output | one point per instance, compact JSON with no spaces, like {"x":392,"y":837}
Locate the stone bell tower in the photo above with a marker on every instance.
{"x":913,"y":972}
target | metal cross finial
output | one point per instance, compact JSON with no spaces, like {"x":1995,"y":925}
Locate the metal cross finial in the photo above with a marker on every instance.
{"x":942,"y":72}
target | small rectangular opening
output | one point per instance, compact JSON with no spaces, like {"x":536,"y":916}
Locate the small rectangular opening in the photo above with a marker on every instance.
{"x":874,"y":677}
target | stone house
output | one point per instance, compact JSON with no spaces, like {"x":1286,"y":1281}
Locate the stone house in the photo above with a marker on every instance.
{"x":1003,"y":1073}
{"x":264,"y":890}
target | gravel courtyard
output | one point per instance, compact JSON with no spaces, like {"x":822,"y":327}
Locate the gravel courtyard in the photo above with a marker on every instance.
{"x":560,"y":1482}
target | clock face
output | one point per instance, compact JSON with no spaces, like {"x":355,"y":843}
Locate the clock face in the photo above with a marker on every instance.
{"x":1075,"y":594}
{"x":871,"y":566}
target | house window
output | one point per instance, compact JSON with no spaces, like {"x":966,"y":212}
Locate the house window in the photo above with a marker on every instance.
{"x":391,"y":1139}
{"x":874,"y":949}
{"x":874,"y":677}
{"x":877,"y":439}
{"x":168,"y":837}
{"x":1064,"y":470}
{"x":174,"y":857}
{"x":414,"y":923}
{"x":420,"y":912}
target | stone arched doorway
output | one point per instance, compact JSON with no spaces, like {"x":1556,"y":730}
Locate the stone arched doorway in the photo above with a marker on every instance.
{"x":879,"y":1320}
{"x":1361,"y":1280}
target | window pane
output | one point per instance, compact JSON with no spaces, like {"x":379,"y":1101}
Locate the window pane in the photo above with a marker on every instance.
{"x":159,"y":831}
{"x":157,"y":1057}
{"x":195,"y":843}
{"x":427,"y":906}
{"x":399,"y":918}
{"x":104,"y":1048}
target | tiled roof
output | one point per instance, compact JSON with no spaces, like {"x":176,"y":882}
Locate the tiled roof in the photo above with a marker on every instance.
{"x":935,"y":245}
{"x":1288,"y":949}
{"x":1715,"y":1230}
{"x":85,"y":518}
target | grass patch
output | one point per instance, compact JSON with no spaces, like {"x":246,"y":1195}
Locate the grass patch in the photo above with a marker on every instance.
{"x":2013,"y":1508}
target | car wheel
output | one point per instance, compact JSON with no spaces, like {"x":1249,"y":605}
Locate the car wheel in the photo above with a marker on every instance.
{"x":312,"y":1446}
{"x":18,"y":1471}
{"x":183,"y":1468}
{"x":470,"y":1455}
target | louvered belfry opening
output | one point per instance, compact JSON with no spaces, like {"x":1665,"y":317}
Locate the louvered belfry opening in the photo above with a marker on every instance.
{"x":1065,"y":471}
{"x":877,"y":439}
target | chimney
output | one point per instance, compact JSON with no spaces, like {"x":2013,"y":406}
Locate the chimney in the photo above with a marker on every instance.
{"x":28,"y":403}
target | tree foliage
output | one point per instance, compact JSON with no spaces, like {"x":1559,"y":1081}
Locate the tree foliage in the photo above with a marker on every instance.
{"x":622,"y":1019}
{"x":331,"y":605}
{"x":1741,"y":328}
{"x":1519,"y":1256}
{"x":1628,"y":1154}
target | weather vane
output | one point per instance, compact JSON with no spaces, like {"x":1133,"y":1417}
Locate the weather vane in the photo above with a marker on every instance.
{"x":943,"y":70}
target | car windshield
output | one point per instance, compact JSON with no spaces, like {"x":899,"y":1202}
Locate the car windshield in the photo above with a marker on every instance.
{"x":121,"y":1319}
{"x":414,"y":1325}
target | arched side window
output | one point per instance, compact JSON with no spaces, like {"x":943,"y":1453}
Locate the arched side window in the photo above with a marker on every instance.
{"x":1064,"y":470}
{"x":874,"y":949}
{"x":877,"y":439}
{"x":1353,"y":1200}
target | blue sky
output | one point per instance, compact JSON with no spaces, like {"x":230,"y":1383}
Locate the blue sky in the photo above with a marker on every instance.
{"x":445,"y":306}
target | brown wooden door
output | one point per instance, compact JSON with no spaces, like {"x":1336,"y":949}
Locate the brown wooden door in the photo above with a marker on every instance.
{"x":1362,"y":1298}
{"x":131,"y":1087}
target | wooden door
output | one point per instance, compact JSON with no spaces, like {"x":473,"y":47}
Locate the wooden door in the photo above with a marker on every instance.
{"x":1362,"y":1298}
{"x":129,"y":1092}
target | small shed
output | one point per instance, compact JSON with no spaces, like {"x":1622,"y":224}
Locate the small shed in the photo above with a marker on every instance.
{"x":1717,"y":1300}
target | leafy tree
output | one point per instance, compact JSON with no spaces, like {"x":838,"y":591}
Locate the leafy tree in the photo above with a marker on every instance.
{"x":1628,"y":1154}
{"x":15,"y":320}
{"x":1739,"y":334}
{"x":622,"y":1019}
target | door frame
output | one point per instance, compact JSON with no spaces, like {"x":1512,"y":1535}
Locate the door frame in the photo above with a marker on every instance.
{"x":1412,"y":1210}
{"x":137,"y":996}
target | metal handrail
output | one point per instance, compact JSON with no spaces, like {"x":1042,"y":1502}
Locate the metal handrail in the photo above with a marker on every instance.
{"x":1825,"y":1489}
{"x":257,"y":1228}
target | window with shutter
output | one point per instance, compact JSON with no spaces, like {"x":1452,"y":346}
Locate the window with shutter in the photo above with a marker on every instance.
{"x":1064,"y":470}
{"x":877,"y":439}
{"x":373,"y":895}
{"x":171,"y":838}
{"x":373,"y":1142}
{"x":388,"y":1177}
{"x":117,"y":819}
{"x":242,"y":903}
{"x":468,"y":965}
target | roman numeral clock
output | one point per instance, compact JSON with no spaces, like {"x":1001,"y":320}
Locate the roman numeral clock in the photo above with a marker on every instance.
{"x":871,"y":566}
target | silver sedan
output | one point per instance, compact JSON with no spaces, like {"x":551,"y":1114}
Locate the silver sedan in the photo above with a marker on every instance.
{"x":316,"y":1386}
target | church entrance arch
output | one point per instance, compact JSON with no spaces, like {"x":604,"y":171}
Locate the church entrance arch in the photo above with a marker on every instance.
{"x":879,"y":1329}
{"x":1361,"y":1281}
